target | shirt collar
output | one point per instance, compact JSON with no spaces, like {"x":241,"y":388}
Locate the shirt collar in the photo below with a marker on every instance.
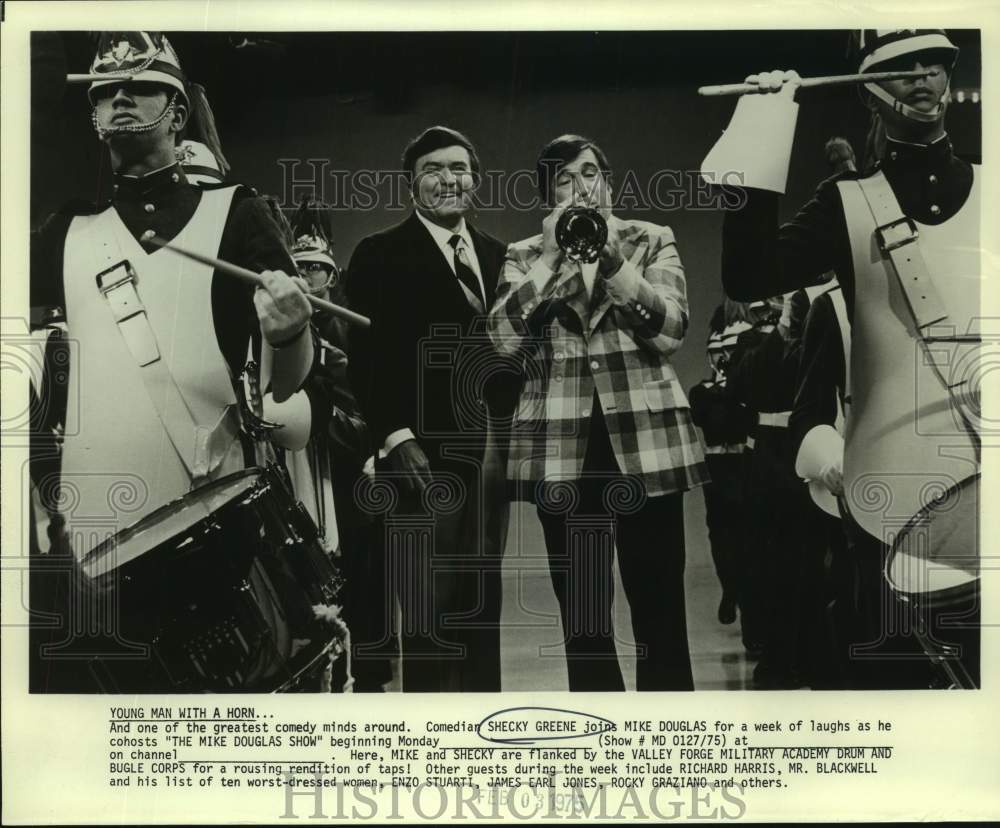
{"x":157,"y":181}
{"x":442,"y":235}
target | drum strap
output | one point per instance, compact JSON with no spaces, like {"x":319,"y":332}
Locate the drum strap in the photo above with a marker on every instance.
{"x":199,"y":448}
{"x":896,"y":235}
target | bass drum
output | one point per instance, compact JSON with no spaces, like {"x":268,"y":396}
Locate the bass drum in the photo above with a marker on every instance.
{"x":933,"y":569}
{"x":218,"y":587}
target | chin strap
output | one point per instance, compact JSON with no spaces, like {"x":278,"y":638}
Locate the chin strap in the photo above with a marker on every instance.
{"x":104,"y":133}
{"x":908,"y":111}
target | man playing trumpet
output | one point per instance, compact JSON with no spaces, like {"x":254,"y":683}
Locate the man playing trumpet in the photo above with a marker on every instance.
{"x":904,"y":243}
{"x":602,"y":441}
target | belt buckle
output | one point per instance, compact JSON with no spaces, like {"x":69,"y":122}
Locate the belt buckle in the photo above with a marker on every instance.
{"x":105,"y":286}
{"x":887,"y":246}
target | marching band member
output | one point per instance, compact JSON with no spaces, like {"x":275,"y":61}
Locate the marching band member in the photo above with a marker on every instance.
{"x":336,"y":454}
{"x":761,"y":375}
{"x":603,"y":431}
{"x":203,"y":321}
{"x":725,"y":424}
{"x":158,"y":339}
{"x":912,"y":427}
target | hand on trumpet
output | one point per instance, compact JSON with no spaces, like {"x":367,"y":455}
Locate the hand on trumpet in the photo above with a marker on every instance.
{"x":552,"y":254}
{"x":784,"y":82}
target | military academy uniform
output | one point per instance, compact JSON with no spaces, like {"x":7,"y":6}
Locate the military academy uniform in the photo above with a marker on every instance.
{"x":124,"y":448}
{"x":922,"y":199}
{"x":761,"y":375}
{"x":118,"y":430}
{"x":337,"y":451}
{"x":725,"y":425}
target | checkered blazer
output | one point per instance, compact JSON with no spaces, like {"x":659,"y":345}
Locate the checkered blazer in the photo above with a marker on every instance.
{"x":617,"y":344}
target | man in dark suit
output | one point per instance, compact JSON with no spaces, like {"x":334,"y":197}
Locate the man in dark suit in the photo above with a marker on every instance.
{"x":431,"y":385}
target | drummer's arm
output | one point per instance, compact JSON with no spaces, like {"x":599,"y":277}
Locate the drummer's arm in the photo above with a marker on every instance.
{"x":762,"y":259}
{"x":821,"y":369}
{"x":254,"y":240}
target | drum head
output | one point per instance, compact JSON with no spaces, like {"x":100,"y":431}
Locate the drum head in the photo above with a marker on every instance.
{"x":167,"y":522}
{"x":937,"y":553}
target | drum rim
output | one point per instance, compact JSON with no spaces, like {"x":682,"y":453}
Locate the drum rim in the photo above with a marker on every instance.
{"x":932,"y":597}
{"x":126,"y":532}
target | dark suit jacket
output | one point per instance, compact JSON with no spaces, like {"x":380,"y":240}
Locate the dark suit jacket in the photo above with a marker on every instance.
{"x":426,"y":363}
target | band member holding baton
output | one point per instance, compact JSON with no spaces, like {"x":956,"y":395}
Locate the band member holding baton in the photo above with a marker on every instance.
{"x":903,"y":241}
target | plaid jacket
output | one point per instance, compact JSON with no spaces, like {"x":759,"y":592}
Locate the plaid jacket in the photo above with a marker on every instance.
{"x":619,"y":344}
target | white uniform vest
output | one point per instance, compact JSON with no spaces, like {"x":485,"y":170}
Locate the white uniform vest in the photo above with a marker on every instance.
{"x":905,"y":444}
{"x":118,"y":462}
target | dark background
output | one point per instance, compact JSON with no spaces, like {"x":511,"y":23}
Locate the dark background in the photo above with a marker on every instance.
{"x":357,"y":98}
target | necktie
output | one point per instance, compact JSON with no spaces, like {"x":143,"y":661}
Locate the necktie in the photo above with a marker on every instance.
{"x":466,"y":275}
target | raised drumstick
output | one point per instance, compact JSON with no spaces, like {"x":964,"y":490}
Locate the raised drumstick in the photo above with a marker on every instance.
{"x":254,"y":279}
{"x":826,"y":80}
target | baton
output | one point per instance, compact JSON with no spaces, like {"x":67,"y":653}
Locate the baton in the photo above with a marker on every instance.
{"x":826,"y":80}
{"x":254,"y":279}
{"x":88,"y":78}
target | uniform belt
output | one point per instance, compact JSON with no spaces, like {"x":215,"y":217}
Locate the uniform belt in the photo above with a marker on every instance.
{"x":725,"y":448}
{"x":777,"y":419}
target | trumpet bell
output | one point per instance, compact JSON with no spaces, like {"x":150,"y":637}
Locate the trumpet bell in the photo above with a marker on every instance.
{"x":581,"y":234}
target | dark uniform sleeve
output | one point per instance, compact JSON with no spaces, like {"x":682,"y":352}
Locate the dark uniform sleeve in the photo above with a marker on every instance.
{"x":330,"y":391}
{"x":46,"y":261}
{"x":821,"y":371}
{"x":251,"y":239}
{"x":761,"y":259}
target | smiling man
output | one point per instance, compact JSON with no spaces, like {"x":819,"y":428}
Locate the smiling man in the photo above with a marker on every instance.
{"x":603,"y":441}
{"x":420,"y":373}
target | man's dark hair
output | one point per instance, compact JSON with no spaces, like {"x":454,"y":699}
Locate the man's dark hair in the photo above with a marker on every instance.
{"x":435,"y":138}
{"x":560,"y":151}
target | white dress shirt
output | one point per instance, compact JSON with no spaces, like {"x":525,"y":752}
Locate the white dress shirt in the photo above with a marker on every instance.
{"x":443,"y":238}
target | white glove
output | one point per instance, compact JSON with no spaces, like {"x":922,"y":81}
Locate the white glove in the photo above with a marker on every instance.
{"x":832,"y":477}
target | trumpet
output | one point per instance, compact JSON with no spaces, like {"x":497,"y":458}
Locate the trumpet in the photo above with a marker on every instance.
{"x":581,"y":234}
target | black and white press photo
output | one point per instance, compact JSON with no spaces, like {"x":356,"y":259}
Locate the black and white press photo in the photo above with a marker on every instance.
{"x":475,"y":362}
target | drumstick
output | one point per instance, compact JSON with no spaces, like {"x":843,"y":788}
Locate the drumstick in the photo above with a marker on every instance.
{"x":254,"y":279}
{"x":826,"y":80}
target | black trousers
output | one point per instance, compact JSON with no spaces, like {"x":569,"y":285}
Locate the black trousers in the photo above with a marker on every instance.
{"x":724,"y":517}
{"x":774,"y":567}
{"x":444,"y":552}
{"x":368,"y":606}
{"x":580,"y":543}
